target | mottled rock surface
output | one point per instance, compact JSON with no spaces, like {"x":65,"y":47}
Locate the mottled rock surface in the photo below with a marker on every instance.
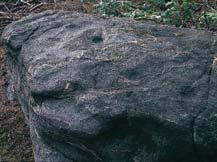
{"x":114,"y":90}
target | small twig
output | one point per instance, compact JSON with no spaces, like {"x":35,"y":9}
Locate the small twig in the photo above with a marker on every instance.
{"x":5,"y":18}
{"x":7,"y":8}
{"x":8,"y":15}
{"x":17,"y":2}
{"x":37,"y":6}
{"x":55,"y":3}
{"x":25,"y":2}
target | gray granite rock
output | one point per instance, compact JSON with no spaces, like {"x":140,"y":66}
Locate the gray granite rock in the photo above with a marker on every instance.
{"x":114,"y":90}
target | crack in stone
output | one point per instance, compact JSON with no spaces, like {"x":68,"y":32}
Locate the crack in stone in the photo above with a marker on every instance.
{"x":29,"y":36}
{"x":193,"y":131}
{"x":193,"y":123}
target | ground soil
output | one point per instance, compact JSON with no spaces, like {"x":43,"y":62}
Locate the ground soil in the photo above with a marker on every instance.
{"x":15,"y":143}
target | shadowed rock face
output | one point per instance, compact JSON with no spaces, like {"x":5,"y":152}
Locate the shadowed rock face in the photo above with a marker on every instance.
{"x":113,"y":90}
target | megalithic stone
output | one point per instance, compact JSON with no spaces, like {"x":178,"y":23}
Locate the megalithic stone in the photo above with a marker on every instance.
{"x":114,"y":90}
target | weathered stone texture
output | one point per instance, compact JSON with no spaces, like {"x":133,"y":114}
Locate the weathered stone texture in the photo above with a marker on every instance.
{"x":114,"y":90}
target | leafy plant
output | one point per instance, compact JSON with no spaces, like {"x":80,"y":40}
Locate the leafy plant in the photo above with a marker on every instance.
{"x":113,"y":7}
{"x":209,"y":19}
{"x":177,"y":12}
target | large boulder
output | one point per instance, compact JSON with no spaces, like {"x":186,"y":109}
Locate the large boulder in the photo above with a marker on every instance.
{"x":114,"y":90}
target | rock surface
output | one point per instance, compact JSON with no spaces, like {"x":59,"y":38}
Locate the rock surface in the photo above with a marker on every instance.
{"x":114,"y":90}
